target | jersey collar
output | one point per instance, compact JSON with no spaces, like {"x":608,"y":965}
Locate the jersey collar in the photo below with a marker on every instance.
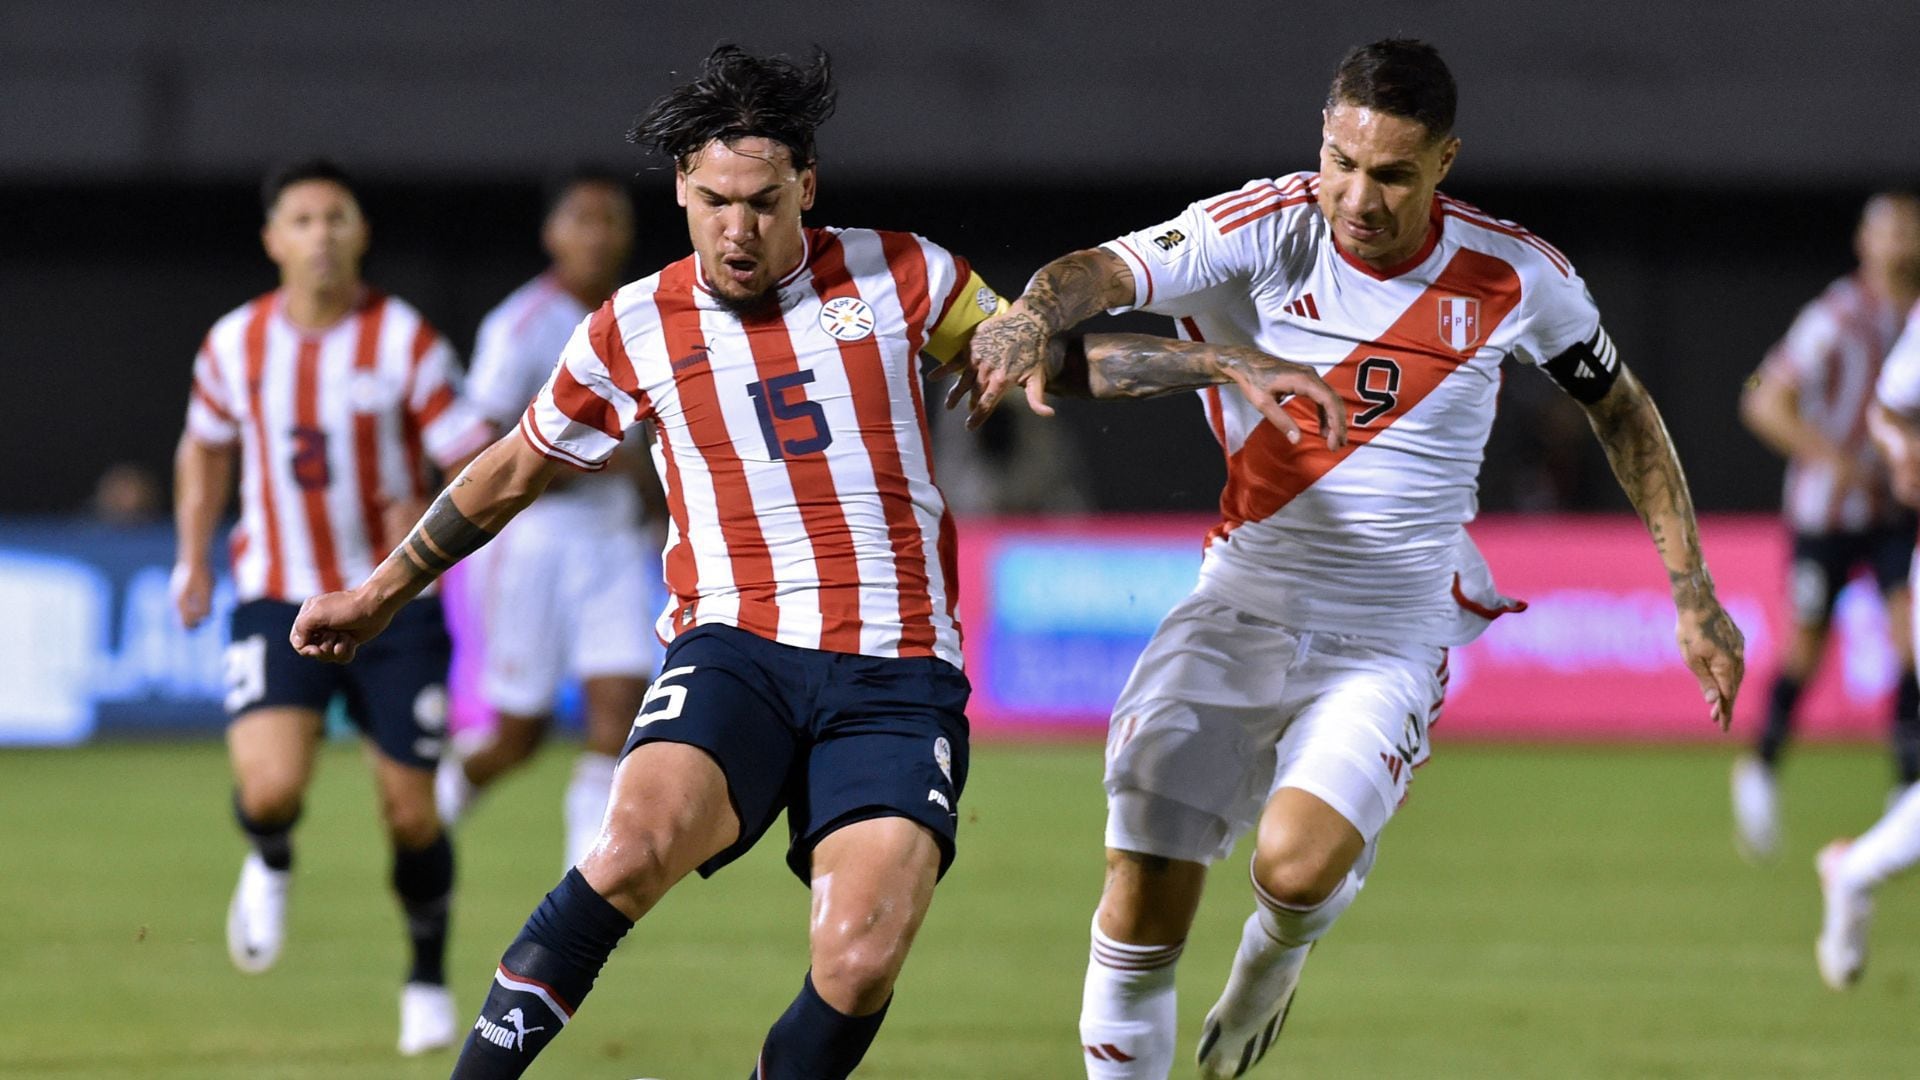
{"x":1434,"y":226}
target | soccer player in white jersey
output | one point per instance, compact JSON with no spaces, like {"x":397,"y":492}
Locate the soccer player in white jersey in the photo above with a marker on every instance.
{"x":329,"y":398}
{"x":1293,"y":691}
{"x":1809,"y":402}
{"x":1850,"y":870}
{"x":563,"y":591}
{"x":813,"y":663}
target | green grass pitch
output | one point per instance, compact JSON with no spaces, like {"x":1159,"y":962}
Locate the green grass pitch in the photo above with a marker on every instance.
{"x":1555,"y":913}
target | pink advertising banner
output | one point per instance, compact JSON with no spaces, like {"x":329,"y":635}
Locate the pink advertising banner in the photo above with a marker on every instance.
{"x":1056,"y":610}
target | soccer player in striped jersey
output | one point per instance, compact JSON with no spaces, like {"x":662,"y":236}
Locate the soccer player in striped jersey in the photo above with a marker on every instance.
{"x":1850,"y":870}
{"x":563,"y":591}
{"x":329,"y":398}
{"x":813,"y":663}
{"x":1292,"y":693}
{"x":1809,"y":402}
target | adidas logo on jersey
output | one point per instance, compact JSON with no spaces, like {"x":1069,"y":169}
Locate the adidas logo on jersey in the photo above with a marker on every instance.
{"x":1304,"y":307}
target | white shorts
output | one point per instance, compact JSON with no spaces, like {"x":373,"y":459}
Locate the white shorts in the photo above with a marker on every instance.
{"x":1224,"y":708}
{"x":562,"y":595}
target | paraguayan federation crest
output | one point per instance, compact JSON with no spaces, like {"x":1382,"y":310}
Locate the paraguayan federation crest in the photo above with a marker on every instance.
{"x":1460,"y":322}
{"x":847,"y":318}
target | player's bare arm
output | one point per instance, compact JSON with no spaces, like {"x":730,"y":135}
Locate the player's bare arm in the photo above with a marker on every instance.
{"x":1770,"y":408}
{"x":505,"y":479}
{"x":1643,"y":459}
{"x":202,"y":481}
{"x":1143,"y":365}
{"x":1011,"y":349}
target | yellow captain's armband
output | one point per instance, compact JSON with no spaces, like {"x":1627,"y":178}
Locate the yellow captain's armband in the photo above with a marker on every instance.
{"x":971,"y":305}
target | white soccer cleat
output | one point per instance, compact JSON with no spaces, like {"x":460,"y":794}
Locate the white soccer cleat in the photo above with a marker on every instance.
{"x":1847,"y":915}
{"x":257,"y":917}
{"x":1247,"y":1019}
{"x":427,"y":1020}
{"x":1756,"y":810}
{"x":452,"y":791}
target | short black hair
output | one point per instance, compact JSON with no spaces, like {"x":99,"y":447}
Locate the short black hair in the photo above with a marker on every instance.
{"x":561,"y":184}
{"x":1401,"y":77}
{"x":739,"y":95}
{"x":285,"y":175}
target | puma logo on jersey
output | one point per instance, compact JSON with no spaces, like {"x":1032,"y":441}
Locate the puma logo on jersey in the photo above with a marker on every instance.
{"x":1304,"y":307}
{"x":698,"y":354}
{"x":504,"y":1037}
{"x":934,"y":796}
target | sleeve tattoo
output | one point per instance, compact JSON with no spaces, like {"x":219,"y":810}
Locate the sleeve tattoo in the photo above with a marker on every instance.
{"x":443,"y":537}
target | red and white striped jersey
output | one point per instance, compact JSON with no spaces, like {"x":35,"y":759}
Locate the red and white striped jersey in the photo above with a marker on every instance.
{"x":1832,"y":356}
{"x":792,"y":444}
{"x":333,"y":426}
{"x":1369,"y":539}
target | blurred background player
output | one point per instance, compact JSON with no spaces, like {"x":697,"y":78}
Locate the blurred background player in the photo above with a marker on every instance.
{"x":1809,"y":403}
{"x":327,"y":397}
{"x":1293,"y":691}
{"x":1850,"y":870}
{"x":563,"y":590}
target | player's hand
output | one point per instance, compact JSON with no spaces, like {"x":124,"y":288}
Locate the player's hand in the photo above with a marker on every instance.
{"x":1715,"y":652}
{"x":966,"y":385}
{"x":1009,"y":350}
{"x":191,"y":585}
{"x":333,"y":626}
{"x":1268,"y":381}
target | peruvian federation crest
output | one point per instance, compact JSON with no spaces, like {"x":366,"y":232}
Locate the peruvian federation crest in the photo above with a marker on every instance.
{"x":847,"y":318}
{"x":1460,"y":322}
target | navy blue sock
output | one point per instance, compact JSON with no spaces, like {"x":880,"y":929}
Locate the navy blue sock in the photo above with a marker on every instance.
{"x":272,"y":839}
{"x":423,"y":880}
{"x":542,"y":979}
{"x":815,"y":1041}
{"x":1906,"y":728}
{"x":1786,"y":694}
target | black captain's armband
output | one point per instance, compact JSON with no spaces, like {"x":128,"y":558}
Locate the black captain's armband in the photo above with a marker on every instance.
{"x":1586,"y":370}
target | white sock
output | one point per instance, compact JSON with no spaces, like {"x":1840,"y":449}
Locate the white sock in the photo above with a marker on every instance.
{"x":1892,"y":845}
{"x":1127,"y":1017}
{"x":586,"y":806}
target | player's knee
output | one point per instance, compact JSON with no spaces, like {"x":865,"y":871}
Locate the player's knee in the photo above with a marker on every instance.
{"x":519,"y":740}
{"x":411,"y":823}
{"x":632,"y":865}
{"x":855,"y":974}
{"x":1297,"y":877}
{"x":271,"y":797}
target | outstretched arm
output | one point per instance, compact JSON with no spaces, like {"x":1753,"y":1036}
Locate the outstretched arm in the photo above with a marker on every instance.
{"x":501,"y":482}
{"x":1629,"y":427}
{"x":1011,"y":349}
{"x":202,"y":484}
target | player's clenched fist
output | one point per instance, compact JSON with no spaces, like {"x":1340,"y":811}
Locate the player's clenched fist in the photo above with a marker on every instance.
{"x":333,"y":626}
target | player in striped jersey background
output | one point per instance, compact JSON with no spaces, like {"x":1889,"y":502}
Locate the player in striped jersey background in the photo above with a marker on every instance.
{"x":330,"y":400}
{"x":1809,"y":402}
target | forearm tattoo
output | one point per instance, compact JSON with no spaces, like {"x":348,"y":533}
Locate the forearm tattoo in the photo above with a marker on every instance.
{"x":443,"y":537}
{"x":1139,"y":365}
{"x":1070,"y":290}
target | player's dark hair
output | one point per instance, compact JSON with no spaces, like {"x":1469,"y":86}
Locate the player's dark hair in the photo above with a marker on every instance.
{"x":561,"y":184}
{"x":739,"y":95}
{"x":1401,"y":77}
{"x":287,"y":174}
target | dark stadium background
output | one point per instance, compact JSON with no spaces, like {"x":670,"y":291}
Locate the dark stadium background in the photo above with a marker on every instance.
{"x":1702,"y":165}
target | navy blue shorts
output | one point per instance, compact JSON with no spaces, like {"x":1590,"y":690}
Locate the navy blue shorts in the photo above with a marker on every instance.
{"x":1822,"y":563}
{"x":395,"y":688}
{"x":831,"y":738}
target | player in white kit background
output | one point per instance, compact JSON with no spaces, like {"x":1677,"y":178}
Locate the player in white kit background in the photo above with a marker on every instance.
{"x":1294,"y":690}
{"x":563,"y":591}
{"x":1809,"y":403}
{"x":329,"y":399}
{"x":1850,"y":870}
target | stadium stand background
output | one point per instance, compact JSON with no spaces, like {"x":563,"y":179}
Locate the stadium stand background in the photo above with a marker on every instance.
{"x":1702,"y":165}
